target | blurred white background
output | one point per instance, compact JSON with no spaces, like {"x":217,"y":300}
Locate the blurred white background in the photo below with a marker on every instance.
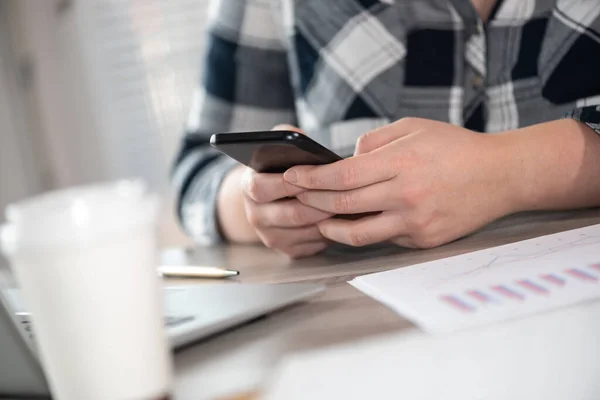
{"x":94,"y":90}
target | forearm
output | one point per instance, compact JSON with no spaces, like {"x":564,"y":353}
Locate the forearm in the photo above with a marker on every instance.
{"x":555,"y":166}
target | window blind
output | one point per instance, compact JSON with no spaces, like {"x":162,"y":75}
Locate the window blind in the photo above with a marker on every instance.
{"x":143,"y":61}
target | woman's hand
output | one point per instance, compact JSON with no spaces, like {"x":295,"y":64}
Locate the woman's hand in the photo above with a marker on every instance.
{"x":434,"y":182}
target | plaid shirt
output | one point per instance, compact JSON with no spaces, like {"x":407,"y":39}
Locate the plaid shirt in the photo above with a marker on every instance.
{"x":339,"y":68}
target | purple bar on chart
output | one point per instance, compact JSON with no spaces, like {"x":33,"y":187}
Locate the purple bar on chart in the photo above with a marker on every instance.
{"x":595,"y":266}
{"x":480,"y":296}
{"x":579,"y":274}
{"x":457,"y":303}
{"x":533,"y":287}
{"x":554,"y":279}
{"x":506,"y":292}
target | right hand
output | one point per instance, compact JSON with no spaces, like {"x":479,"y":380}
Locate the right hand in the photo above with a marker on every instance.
{"x":272,"y":213}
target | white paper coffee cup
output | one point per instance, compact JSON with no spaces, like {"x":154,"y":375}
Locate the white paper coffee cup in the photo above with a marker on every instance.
{"x":86,"y":260}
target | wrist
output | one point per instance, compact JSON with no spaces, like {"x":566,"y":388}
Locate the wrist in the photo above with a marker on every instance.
{"x":508,"y":155}
{"x":543,"y":164}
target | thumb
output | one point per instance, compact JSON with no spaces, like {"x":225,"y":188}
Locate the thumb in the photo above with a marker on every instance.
{"x":385,"y":135}
{"x":288,"y":127}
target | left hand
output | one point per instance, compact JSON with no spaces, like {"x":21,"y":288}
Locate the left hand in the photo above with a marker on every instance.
{"x":434,"y":182}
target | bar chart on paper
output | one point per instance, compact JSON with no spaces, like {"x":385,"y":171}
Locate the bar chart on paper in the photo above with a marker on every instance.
{"x":518,"y":290}
{"x":495,"y":284}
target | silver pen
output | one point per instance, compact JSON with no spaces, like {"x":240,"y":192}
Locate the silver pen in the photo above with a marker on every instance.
{"x":192,"y":271}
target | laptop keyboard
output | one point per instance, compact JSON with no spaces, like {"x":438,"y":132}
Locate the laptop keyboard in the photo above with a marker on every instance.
{"x":171,"y":321}
{"x":24,"y":321}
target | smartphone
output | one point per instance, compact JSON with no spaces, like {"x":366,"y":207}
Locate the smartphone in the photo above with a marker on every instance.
{"x":276,"y":152}
{"x":272,"y":151}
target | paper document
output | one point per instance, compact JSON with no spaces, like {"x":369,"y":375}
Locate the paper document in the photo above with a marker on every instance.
{"x":495,"y":284}
{"x":551,"y":356}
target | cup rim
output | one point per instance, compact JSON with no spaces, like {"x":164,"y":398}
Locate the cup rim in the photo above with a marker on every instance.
{"x":78,"y":216}
{"x":41,"y":204}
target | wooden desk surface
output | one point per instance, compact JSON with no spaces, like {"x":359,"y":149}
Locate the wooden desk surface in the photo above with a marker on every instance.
{"x":242,"y":359}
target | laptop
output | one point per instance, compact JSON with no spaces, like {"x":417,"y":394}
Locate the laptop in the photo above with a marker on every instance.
{"x":191,"y":313}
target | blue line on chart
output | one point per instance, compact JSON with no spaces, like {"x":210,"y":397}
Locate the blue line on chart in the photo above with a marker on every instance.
{"x":519,"y":257}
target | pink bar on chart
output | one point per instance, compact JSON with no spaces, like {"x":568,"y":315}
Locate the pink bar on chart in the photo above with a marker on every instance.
{"x":480,"y":296}
{"x":579,"y":274}
{"x":506,"y":292}
{"x":457,"y":303}
{"x":595,"y":266}
{"x":533,"y":287}
{"x":554,"y":279}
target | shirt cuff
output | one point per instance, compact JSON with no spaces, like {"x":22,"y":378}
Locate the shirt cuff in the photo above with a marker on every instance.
{"x":198,"y":210}
{"x":589,"y":115}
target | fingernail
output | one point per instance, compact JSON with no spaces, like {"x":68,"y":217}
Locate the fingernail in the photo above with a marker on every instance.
{"x":283,"y":127}
{"x":291,"y":176}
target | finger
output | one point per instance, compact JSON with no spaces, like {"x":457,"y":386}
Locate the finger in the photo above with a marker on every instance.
{"x":364,"y":231}
{"x":380,"y":137}
{"x":288,"y":127}
{"x":351,"y":173}
{"x":280,"y":238}
{"x":306,"y":249}
{"x":404,"y":241}
{"x":371,"y":198}
{"x":283,"y":214}
{"x":264,"y":188}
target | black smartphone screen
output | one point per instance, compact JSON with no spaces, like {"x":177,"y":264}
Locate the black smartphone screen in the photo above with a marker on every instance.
{"x":272,"y":151}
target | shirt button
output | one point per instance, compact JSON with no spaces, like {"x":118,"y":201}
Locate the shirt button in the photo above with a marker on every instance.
{"x":477,"y":82}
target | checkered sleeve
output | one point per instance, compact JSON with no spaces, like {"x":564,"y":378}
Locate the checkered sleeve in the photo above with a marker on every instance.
{"x":575,"y":76}
{"x":245,"y":86}
{"x":589,"y":115}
